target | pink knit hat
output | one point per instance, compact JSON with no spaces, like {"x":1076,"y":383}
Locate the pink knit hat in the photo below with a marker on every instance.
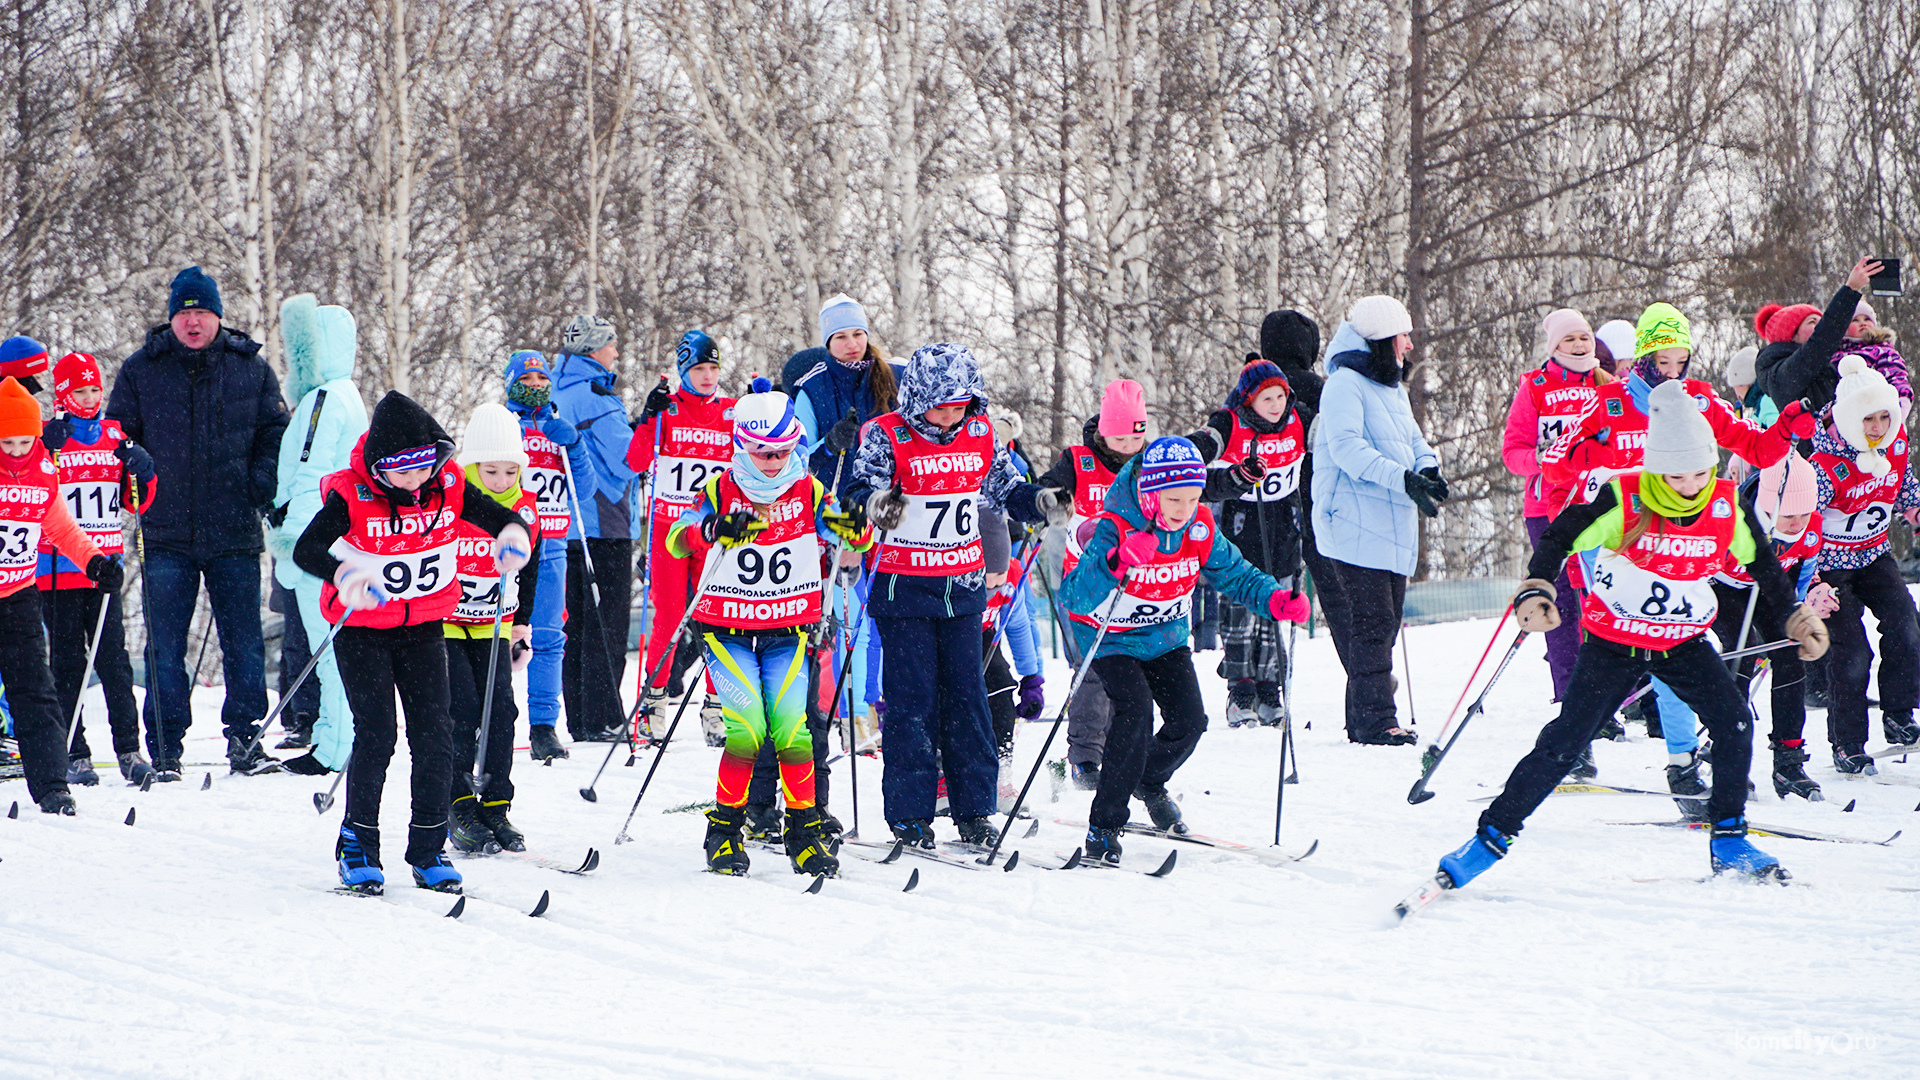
{"x":1771,"y":504}
{"x":1123,"y":409}
{"x":1558,"y":325}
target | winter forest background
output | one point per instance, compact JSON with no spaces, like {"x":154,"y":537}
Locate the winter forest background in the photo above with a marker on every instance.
{"x":1079,"y":189}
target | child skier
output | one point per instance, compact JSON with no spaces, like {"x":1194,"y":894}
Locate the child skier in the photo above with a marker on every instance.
{"x":1109,"y":440}
{"x":97,"y":464}
{"x":1864,"y":479}
{"x":385,"y":542}
{"x":1605,"y":442}
{"x":1783,"y":498}
{"x":925,"y":471}
{"x":328,"y":419}
{"x":544,"y":436}
{"x":31,"y":507}
{"x":1660,"y":534}
{"x":774,"y":525}
{"x":691,"y":431}
{"x":1153,"y":543}
{"x":494,"y":457}
{"x":1259,"y":423}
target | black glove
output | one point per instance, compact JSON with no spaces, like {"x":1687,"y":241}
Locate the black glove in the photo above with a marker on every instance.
{"x":1251,"y":470}
{"x":55,"y":433}
{"x":842,"y":436}
{"x":136,"y":459}
{"x":1420,"y":490}
{"x":1436,"y":483}
{"x":106,"y":573}
{"x":277,"y":516}
{"x":736,"y":526}
{"x":657,"y":401}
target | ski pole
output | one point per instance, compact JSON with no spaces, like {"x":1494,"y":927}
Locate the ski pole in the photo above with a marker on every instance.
{"x":477,"y":780}
{"x":324,"y":802}
{"x":593,"y":582}
{"x":294,"y":686}
{"x":1286,"y":738}
{"x":1053,"y":729}
{"x":646,"y":580}
{"x":1407,"y":662}
{"x":155,"y":739}
{"x":855,"y":623}
{"x":1753,"y":597}
{"x":658,"y":754}
{"x":1430,"y":761}
{"x":93,"y":650}
{"x":1464,"y":690}
{"x":588,"y":793}
{"x":1009,"y":591}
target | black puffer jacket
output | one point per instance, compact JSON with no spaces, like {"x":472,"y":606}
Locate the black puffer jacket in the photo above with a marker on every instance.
{"x":212,"y":420}
{"x":1789,"y":372}
{"x":1221,"y":483}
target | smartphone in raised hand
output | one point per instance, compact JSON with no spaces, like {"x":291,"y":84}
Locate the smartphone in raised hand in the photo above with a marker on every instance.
{"x":1887,"y":281}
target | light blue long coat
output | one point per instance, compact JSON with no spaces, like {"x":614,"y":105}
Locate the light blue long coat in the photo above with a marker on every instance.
{"x":1364,"y":443}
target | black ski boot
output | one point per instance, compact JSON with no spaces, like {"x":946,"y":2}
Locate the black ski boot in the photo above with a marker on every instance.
{"x":1612,"y":730}
{"x":299,"y":731}
{"x":1086,"y":775}
{"x":1163,"y":810}
{"x":763,"y":823}
{"x":80,"y":771}
{"x":808,"y":845}
{"x":1103,"y":845}
{"x":166,"y":770}
{"x":305,"y":765}
{"x":1852,"y":759}
{"x":246,"y":762}
{"x":467,"y":831}
{"x":1685,"y":780}
{"x":135,"y":768}
{"x":1583,"y":766}
{"x":917,"y":832}
{"x":977,"y":831}
{"x":831,"y":824}
{"x":543,"y":744}
{"x":1900,"y":728}
{"x":494,"y":816}
{"x":1790,"y":773}
{"x":725,"y":852}
{"x":59,"y":801}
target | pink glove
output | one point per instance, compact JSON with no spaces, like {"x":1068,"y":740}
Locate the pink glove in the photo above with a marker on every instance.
{"x":1821,"y":599}
{"x":1139,"y":548}
{"x":1290,"y":607}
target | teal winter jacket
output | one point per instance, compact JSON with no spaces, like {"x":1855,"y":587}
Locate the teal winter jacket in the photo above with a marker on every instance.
{"x":330,"y":418}
{"x":1089,"y":588}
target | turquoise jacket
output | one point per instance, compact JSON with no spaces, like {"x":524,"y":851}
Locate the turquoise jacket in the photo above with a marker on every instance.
{"x":330,"y":419}
{"x":1089,"y":588}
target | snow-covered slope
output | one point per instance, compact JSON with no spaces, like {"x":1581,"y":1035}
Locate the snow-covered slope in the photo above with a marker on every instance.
{"x":203,"y":941}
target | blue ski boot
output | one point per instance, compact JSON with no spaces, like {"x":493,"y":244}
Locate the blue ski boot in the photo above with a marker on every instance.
{"x":358,"y":851}
{"x":1472,"y":858}
{"x":438,"y":875}
{"x":1102,"y":845}
{"x":1730,"y":850}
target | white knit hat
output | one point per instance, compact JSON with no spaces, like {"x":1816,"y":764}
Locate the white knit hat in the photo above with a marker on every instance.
{"x":1617,"y":334}
{"x":493,"y":434}
{"x":1861,"y":393}
{"x":1679,"y":439}
{"x":1379,"y":317}
{"x":1740,"y":366}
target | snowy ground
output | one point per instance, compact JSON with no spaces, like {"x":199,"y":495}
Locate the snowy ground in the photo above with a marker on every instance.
{"x":203,"y":941}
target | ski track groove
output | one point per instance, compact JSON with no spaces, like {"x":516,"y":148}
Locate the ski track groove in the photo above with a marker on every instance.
{"x":202,"y":942}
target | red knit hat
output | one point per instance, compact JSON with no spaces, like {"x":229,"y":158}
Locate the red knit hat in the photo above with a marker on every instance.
{"x":19,"y":413}
{"x":75,"y":370}
{"x":1775,"y":323}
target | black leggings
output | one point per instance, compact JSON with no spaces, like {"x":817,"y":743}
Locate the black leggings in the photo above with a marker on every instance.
{"x":1875,"y":587}
{"x":1137,"y":757}
{"x":37,"y":722}
{"x":373,"y":665}
{"x":466,"y":697}
{"x":1789,"y":671}
{"x":1602,"y":675}
{"x":70,"y":615}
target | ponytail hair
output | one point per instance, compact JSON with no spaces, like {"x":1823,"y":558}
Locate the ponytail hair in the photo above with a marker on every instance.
{"x":881,"y":385}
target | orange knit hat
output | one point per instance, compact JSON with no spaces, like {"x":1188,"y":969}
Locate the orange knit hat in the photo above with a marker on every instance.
{"x":19,"y":412}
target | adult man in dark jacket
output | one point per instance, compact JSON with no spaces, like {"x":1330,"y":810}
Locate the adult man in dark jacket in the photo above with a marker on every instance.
{"x":207,"y":407}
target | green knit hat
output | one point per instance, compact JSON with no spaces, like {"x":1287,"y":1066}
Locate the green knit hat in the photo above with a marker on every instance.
{"x":1662,"y":327}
